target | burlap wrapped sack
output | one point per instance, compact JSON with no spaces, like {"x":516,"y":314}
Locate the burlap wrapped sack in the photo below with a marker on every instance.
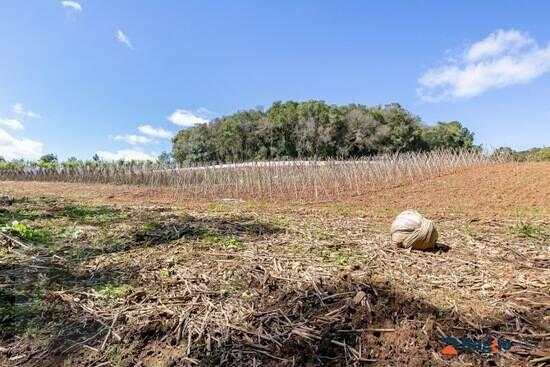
{"x":411,"y":230}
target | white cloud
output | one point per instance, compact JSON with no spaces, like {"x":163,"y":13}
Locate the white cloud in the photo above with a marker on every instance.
{"x":155,"y":132}
{"x":186,"y":118}
{"x":127,"y":154}
{"x":497,"y":43}
{"x":12,"y":124}
{"x":505,"y":57}
{"x":18,"y":109}
{"x":14,"y":148}
{"x":121,"y":37}
{"x":133,"y":139}
{"x":72,"y":5}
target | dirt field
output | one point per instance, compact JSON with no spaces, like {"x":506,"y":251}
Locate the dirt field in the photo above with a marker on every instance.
{"x":124,"y":276}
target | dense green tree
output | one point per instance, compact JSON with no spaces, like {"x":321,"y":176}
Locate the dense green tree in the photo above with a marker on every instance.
{"x":48,"y":158}
{"x":47,"y":161}
{"x":314,"y":129}
{"x":195,"y":144}
{"x":404,"y":129}
{"x":448,"y":135}
{"x":364,"y":135}
{"x":284,"y":118}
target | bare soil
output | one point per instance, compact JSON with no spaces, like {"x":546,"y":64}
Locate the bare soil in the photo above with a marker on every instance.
{"x":126,"y":276}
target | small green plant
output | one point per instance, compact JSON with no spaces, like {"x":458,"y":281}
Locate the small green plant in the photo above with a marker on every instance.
{"x":211,"y":238}
{"x":93,"y":215}
{"x":216,"y":208}
{"x":29,"y":213}
{"x":25,"y":232}
{"x":320,"y":235}
{"x":77,"y":212}
{"x":232,"y":244}
{"x":113,"y":291}
{"x":76,"y":233}
{"x":280,"y":222}
{"x":164,"y":273}
{"x":441,"y":312}
{"x":527,"y":229}
{"x":228,"y":243}
{"x":340,"y":258}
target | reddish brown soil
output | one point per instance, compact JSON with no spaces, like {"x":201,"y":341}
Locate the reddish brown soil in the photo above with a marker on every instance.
{"x":501,"y":189}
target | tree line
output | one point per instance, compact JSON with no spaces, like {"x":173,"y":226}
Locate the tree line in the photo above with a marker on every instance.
{"x":314,"y":129}
{"x":50,"y":161}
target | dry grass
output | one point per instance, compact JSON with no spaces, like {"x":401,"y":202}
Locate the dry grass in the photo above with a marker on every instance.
{"x":248,"y":283}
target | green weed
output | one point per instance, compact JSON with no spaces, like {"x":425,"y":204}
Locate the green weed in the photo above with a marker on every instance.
{"x":441,"y":312}
{"x":29,"y":213}
{"x":320,"y":235}
{"x":112,"y":291}
{"x":279,"y":222}
{"x":216,"y":208}
{"x":340,"y":258}
{"x":232,"y":244}
{"x":93,"y":215}
{"x":228,"y":243}
{"x":24,"y":232}
{"x":343,"y":209}
{"x":529,"y":230}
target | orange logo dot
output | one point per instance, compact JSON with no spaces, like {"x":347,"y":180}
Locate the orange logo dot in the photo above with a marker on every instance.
{"x":449,"y":350}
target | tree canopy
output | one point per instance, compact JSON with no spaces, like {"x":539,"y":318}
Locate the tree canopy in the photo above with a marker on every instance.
{"x":314,"y":129}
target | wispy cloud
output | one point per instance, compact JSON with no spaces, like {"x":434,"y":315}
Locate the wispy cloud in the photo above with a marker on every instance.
{"x":504,"y":58}
{"x":153,"y":132}
{"x":133,"y":139}
{"x":127,"y":154}
{"x":12,"y":124}
{"x":122,"y":38}
{"x":18,"y":109}
{"x":205,"y":112}
{"x":186,"y":118}
{"x":72,"y":5}
{"x":14,"y":148}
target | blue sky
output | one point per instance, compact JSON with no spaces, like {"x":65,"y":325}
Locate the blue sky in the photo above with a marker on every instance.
{"x":118,"y":77}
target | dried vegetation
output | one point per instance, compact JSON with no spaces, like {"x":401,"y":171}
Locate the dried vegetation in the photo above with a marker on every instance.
{"x":270,"y":180}
{"x":246,"y":283}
